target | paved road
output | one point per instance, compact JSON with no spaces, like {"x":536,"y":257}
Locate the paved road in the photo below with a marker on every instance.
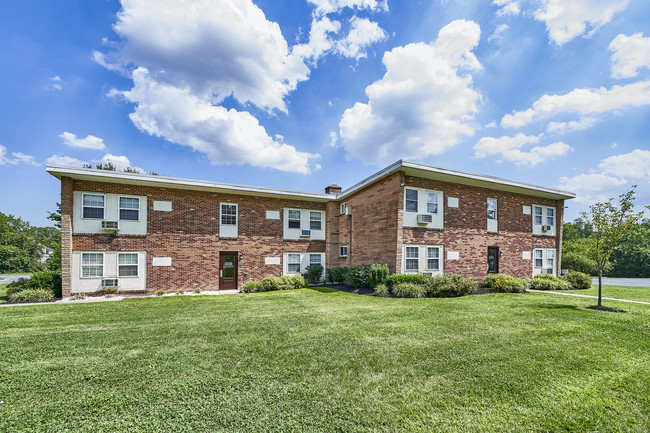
{"x":6,"y":279}
{"x":629,"y":282}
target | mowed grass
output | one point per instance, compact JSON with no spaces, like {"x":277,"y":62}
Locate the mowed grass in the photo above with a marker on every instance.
{"x":617,"y":292}
{"x":316,"y":360}
{"x":3,"y":293}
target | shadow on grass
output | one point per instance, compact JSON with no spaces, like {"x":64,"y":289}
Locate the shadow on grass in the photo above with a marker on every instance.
{"x":559,"y":307}
{"x":324,"y":289}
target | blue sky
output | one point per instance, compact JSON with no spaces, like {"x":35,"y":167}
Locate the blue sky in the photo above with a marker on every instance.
{"x":300,"y":94}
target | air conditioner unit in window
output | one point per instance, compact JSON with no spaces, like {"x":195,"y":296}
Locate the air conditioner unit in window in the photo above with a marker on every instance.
{"x":546,"y":228}
{"x":111,"y":225}
{"x":424,"y":218}
{"x":305,"y":233}
{"x":428,"y":273}
{"x":110,"y":282}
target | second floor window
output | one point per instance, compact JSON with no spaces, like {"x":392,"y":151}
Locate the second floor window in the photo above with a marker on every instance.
{"x":432,"y":202}
{"x":343,"y":251}
{"x":93,"y":206}
{"x":129,"y":208}
{"x":229,"y":214}
{"x":294,"y":219}
{"x":411,"y":200}
{"x":538,"y":215}
{"x":492,"y":208}
{"x":314,"y":220}
{"x":550,"y":216}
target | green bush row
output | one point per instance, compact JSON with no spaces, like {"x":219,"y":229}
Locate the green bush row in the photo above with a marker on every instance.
{"x":504,"y":283}
{"x":47,"y":280}
{"x":272,"y":283}
{"x":359,"y":276}
{"x":31,"y":295}
{"x":548,"y":282}
{"x":578,"y":280}
{"x":507,"y":283}
{"x":420,"y":286}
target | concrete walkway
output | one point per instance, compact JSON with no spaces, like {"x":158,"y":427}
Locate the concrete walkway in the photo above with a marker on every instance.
{"x":6,"y":279}
{"x":90,"y":299}
{"x":588,"y":296}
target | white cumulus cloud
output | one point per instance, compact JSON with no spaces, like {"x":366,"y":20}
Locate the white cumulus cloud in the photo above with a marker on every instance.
{"x":67,"y":161}
{"x":422,"y":104}
{"x":582,"y":102}
{"x":630,"y":53}
{"x":613,"y":173}
{"x":507,"y":7}
{"x":510,"y":149}
{"x":571,"y":126}
{"x":329,"y":6}
{"x":226,"y":136}
{"x":363,"y":33}
{"x":18,"y":158}
{"x":566,"y":19}
{"x":89,"y":142}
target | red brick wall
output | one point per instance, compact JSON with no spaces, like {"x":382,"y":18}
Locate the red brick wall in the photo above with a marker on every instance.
{"x":189,"y":235}
{"x":465,"y":229}
{"x":374,"y":223}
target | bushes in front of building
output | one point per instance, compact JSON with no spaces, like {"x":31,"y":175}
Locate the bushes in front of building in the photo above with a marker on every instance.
{"x":314,"y":274}
{"x":272,"y":283}
{"x":449,"y":286}
{"x":578,"y":280}
{"x":420,"y":286}
{"x":377,"y":274}
{"x":48,"y":280}
{"x":337,"y":274}
{"x":31,"y":295}
{"x":504,"y":283}
{"x":547,"y":282}
{"x":359,"y":276}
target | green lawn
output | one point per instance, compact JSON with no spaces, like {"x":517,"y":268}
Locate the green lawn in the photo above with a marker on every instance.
{"x":3,"y":293}
{"x":618,"y":292}
{"x":325,"y":361}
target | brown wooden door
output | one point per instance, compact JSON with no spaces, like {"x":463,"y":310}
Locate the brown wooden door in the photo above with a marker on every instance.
{"x":227,"y":271}
{"x":493,"y":260}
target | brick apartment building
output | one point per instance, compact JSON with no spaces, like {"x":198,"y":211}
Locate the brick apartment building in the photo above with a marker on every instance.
{"x":146,"y":233}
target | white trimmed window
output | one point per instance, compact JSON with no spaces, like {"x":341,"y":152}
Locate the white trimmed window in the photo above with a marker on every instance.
{"x":129,"y":208}
{"x":92,"y":265}
{"x":411,"y":200}
{"x":539,"y":214}
{"x":492,"y":208}
{"x":314,"y":259}
{"x":228,"y":214}
{"x":127,"y":264}
{"x":315,"y":220}
{"x":432,"y":202}
{"x":545,"y":262}
{"x":343,"y":251}
{"x":294,"y":219}
{"x":550,"y":216}
{"x":343,"y":209}
{"x":539,"y":259}
{"x":293,"y":263}
{"x":93,"y":206}
{"x":433,"y":258}
{"x":412,"y":260}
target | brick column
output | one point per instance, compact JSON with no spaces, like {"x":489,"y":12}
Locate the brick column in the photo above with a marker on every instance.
{"x":66,"y":235}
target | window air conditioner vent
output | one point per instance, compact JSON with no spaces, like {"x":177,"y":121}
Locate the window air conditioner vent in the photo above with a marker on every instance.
{"x":424,"y":219}
{"x":111,"y":225}
{"x":110,"y":282}
{"x":305,"y":233}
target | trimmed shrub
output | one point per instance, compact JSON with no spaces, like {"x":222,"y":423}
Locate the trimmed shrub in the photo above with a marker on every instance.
{"x":377,"y":275}
{"x":337,"y":274}
{"x":32,"y":295}
{"x":160,"y":292}
{"x":578,"y":280}
{"x":17,"y":286}
{"x":357,"y":276}
{"x":48,"y":280}
{"x":504,"y":283}
{"x":252,"y":287}
{"x":449,"y":286}
{"x":272,"y":283}
{"x":314,"y":274}
{"x":395,"y":279}
{"x":381,"y":290}
{"x":297,"y":282}
{"x":547,"y":282}
{"x":180,"y":292}
{"x":197,"y":290}
{"x":408,"y":290}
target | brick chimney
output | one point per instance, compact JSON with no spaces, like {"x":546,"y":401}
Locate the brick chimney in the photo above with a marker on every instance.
{"x":333,"y":189}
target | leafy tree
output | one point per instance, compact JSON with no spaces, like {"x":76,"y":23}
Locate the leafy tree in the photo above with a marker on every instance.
{"x":55,"y":216}
{"x":631,"y":257}
{"x":609,"y":224}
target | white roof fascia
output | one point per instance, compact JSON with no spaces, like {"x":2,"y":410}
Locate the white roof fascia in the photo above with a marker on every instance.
{"x":171,"y":182}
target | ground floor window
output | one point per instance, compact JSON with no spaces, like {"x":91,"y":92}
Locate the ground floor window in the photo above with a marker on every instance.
{"x":297,"y":263}
{"x":423,"y":259}
{"x":92,"y":265}
{"x":544,"y":261}
{"x":127,"y":264}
